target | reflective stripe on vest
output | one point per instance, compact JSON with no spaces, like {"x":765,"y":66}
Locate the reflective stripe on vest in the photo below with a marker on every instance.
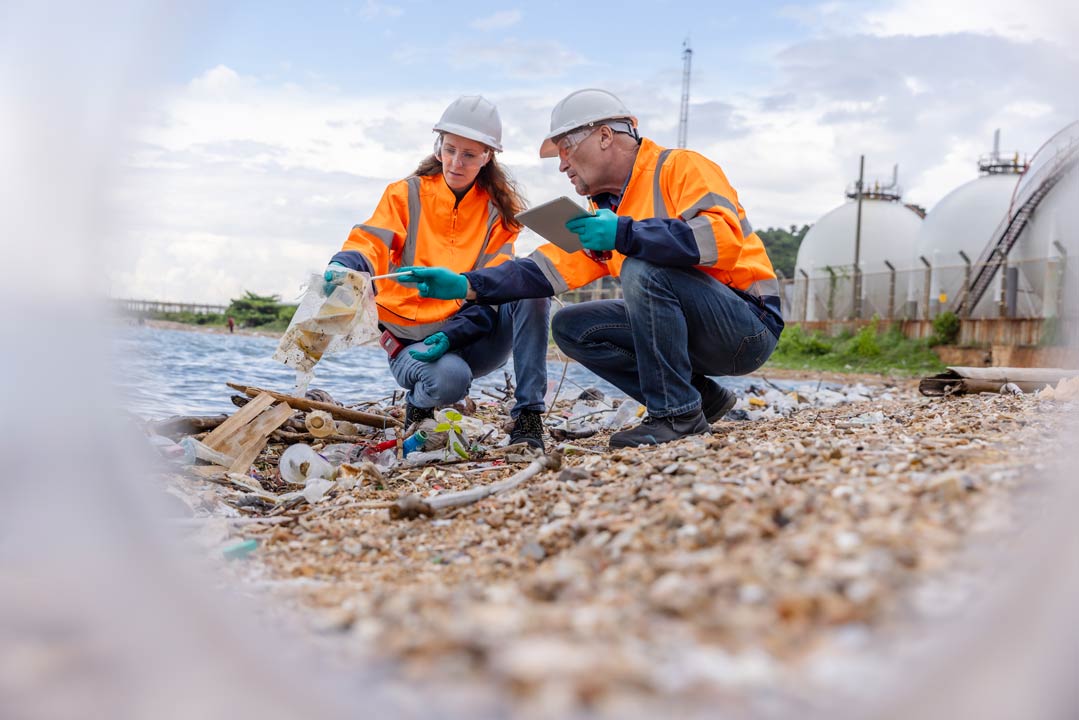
{"x":413,"y":332}
{"x":493,"y":217}
{"x":659,"y":208}
{"x":408,"y":252}
{"x":386,"y":236}
{"x":550,"y":271}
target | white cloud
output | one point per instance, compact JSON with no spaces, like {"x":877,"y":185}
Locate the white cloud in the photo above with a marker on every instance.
{"x":239,"y":184}
{"x":498,"y":21}
{"x":1037,"y":20}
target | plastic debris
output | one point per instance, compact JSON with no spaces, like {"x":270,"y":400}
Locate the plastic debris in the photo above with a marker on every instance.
{"x":319,"y":423}
{"x":300,"y":463}
{"x":195,"y":450}
{"x":240,"y":549}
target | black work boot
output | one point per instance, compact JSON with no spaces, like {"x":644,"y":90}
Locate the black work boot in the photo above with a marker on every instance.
{"x":716,"y":400}
{"x":656,"y":430}
{"x":528,"y":428}
{"x":415,"y":414}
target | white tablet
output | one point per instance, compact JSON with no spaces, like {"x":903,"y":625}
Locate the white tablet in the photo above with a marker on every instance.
{"x":549,"y":222}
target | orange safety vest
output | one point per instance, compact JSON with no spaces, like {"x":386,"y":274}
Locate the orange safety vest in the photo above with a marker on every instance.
{"x":419,"y":221}
{"x":668,"y":183}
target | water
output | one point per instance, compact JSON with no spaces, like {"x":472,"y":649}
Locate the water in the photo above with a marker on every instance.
{"x":160,"y":373}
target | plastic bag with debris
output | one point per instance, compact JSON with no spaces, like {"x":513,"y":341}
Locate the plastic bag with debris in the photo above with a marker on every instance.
{"x":322,"y":325}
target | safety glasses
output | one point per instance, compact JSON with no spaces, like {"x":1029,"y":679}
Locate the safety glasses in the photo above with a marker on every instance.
{"x":572,"y":139}
{"x":452,"y":155}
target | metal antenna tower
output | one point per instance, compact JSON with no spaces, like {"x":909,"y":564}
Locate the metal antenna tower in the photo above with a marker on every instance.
{"x":683,"y":119}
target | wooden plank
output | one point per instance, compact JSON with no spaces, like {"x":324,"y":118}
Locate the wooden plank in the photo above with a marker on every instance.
{"x":257,"y":433}
{"x":338,"y":412}
{"x":217,"y":439}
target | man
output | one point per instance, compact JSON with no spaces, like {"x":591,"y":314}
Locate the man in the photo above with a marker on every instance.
{"x":700,"y":296}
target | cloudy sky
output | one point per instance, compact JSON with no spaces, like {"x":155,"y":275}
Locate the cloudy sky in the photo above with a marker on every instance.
{"x":271,"y":128}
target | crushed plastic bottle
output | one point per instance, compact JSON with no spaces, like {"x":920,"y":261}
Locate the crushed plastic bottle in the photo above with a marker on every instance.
{"x":626,"y":414}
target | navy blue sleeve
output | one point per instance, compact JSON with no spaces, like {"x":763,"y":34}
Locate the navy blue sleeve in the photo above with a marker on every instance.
{"x":471,"y":322}
{"x":353,"y":260}
{"x":661,"y":241}
{"x":513,"y":280}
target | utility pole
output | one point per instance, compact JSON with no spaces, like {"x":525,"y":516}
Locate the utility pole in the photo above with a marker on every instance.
{"x":856,"y":304}
{"x":683,"y":119}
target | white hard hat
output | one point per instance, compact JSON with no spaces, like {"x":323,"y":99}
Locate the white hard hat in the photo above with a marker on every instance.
{"x":473,"y":117}
{"x":584,"y":107}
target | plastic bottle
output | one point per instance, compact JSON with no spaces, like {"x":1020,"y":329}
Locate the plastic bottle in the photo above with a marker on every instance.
{"x":414,"y":442}
{"x":193,"y":449}
{"x":300,"y":462}
{"x":626,"y":413}
{"x":340,"y":453}
{"x":319,"y":423}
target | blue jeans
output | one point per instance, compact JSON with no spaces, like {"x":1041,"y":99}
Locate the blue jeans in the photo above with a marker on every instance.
{"x":672,"y":324}
{"x":522,"y":327}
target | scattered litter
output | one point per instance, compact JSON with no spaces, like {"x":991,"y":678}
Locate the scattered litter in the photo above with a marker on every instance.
{"x":240,"y":549}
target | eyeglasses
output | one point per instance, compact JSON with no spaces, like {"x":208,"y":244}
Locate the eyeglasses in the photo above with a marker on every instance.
{"x":572,"y":139}
{"x":466,"y":158}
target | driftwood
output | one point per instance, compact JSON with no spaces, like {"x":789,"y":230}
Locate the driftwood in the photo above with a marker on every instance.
{"x":960,"y":380}
{"x":337,"y":411}
{"x":411,"y":506}
{"x":185,"y":425}
{"x":288,"y":437}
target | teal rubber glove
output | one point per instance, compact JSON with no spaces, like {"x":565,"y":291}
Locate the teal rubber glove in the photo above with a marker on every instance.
{"x":439,"y":344}
{"x":436,"y":282}
{"x":334,"y":276}
{"x":597,"y":232}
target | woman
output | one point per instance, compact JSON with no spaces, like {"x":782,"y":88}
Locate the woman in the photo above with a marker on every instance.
{"x":456,"y":210}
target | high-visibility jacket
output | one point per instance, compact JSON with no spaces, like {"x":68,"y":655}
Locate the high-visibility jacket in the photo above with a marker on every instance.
{"x":419,"y":221}
{"x":676,"y":210}
{"x":667,"y":183}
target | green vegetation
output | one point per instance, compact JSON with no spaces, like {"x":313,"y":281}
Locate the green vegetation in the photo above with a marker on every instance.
{"x":782,"y":246}
{"x":260,"y":311}
{"x":264,"y":312}
{"x":867,"y":351}
{"x":945,"y":329}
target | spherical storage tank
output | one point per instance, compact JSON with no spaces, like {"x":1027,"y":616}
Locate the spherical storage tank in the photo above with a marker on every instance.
{"x":963,"y":221}
{"x":1046,"y":254}
{"x":889,"y":232}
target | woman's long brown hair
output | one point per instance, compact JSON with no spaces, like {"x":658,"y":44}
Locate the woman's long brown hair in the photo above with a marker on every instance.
{"x":504,"y":192}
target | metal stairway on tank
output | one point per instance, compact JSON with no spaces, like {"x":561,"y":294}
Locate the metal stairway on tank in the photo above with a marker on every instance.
{"x":1009,"y":230}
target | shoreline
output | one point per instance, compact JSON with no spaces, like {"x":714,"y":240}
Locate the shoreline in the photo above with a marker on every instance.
{"x":553,"y":355}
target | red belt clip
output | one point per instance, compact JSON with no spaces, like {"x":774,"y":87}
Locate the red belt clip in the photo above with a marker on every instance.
{"x":390,"y":344}
{"x":601,"y":256}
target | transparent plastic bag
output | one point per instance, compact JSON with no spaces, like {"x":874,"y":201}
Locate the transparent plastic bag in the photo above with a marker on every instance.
{"x":322,"y":325}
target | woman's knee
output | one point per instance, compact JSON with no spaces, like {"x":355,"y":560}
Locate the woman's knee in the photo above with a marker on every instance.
{"x":447,"y":380}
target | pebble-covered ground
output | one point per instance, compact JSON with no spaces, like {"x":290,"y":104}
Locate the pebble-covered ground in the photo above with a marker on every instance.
{"x":731,"y":568}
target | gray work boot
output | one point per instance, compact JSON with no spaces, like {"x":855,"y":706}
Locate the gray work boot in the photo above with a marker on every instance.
{"x":528,"y":428}
{"x":415,"y":414}
{"x":656,"y":430}
{"x":716,"y":400}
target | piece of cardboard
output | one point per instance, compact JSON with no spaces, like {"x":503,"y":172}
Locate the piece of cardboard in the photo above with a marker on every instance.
{"x":549,"y":222}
